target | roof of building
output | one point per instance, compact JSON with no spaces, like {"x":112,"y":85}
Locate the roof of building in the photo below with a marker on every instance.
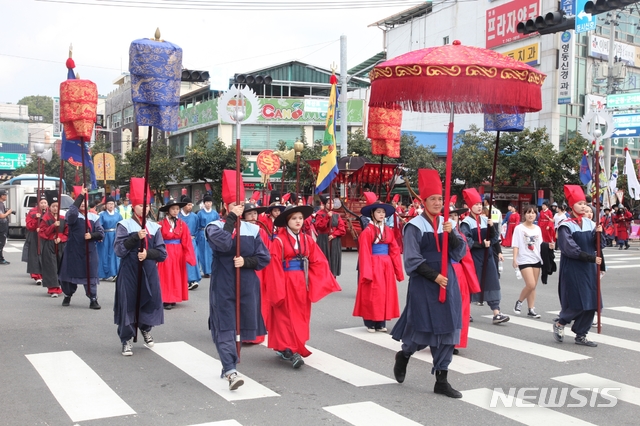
{"x":405,"y":15}
{"x":363,"y":68}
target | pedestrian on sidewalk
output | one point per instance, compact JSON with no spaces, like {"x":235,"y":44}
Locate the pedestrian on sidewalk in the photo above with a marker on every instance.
{"x":73,"y":268}
{"x":32,"y":249}
{"x":578,"y":268}
{"x":527,"y":239}
{"x":254,"y":256}
{"x":297,"y":276}
{"x":174,"y":284}
{"x":53,"y":233}
{"x":481,"y":236}
{"x":129,"y":234}
{"x":426,"y":321}
{"x":379,"y":268}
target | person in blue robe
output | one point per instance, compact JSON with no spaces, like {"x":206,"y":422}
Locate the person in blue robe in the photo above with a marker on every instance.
{"x":425,"y":321}
{"x":109,"y":262}
{"x":205,"y":216}
{"x":254,"y":256}
{"x":475,"y":228}
{"x":190,"y":218}
{"x":129,"y":234}
{"x":73,"y":269}
{"x":579,"y":265}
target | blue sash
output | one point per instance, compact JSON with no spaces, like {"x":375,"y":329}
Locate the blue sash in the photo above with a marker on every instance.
{"x":380,"y":249}
{"x":294,"y":265}
{"x":172,"y":241}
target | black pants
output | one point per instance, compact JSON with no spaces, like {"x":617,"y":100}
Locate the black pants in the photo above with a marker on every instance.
{"x":4,"y":229}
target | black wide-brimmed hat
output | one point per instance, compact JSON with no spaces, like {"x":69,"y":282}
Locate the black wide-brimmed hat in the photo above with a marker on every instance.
{"x":453,"y":210}
{"x":275,"y":206}
{"x":367,"y":210}
{"x":250,"y":207}
{"x":282,"y":220}
{"x":170,"y":203}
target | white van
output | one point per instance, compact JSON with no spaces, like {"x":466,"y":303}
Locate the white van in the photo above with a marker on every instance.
{"x":21,"y":199}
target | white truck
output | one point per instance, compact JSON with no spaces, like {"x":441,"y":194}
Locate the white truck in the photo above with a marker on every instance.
{"x":21,"y":199}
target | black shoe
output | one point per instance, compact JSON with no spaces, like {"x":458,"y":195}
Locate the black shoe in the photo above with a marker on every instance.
{"x":582,"y":341}
{"x":626,"y":247}
{"x":4,"y":262}
{"x":66,"y":301}
{"x":286,"y":354}
{"x":620,"y":248}
{"x":167,"y":306}
{"x":443,"y":387}
{"x":455,"y":351}
{"x":297,"y":361}
{"x":558,"y":332}
{"x":470,"y":318}
{"x":400,"y":367}
{"x":93,"y":305}
{"x":499,"y":319}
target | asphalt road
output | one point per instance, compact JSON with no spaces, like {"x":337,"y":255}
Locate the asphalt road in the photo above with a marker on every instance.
{"x":62,"y":366}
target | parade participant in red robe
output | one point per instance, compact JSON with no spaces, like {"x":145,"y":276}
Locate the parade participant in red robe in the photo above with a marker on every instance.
{"x":330,"y":228}
{"x":53,"y":233}
{"x":379,"y":267}
{"x":622,"y":221}
{"x":297,"y":276}
{"x":32,"y":245}
{"x":173,"y":271}
{"x":514,"y":220}
{"x":546,"y":224}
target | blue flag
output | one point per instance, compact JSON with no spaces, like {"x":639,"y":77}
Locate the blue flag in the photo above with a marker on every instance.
{"x":71,"y":151}
{"x":585,"y":171}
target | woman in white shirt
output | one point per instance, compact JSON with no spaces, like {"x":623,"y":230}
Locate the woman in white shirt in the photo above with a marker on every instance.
{"x":526,"y":256}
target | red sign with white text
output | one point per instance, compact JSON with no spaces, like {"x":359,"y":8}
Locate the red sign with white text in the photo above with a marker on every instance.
{"x":502,"y":21}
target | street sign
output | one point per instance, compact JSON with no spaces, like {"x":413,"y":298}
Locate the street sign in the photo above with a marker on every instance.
{"x":584,"y":21}
{"x":626,"y":125}
{"x":568,"y":6}
{"x":10,"y":161}
{"x":623,"y":100}
{"x":627,"y":132}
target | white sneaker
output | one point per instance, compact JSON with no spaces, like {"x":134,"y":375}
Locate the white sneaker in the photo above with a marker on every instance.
{"x":127,"y":348}
{"x":148,"y":340}
{"x":235,"y":381}
{"x":54,"y":295}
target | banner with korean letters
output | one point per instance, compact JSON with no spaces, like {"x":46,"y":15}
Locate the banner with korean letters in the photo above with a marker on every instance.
{"x":566,"y":67}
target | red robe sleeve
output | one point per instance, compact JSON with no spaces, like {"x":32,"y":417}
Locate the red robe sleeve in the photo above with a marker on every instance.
{"x":274,"y":283}
{"x":321,"y":280}
{"x":32,"y":220}
{"x":47,"y":231}
{"x":395,"y":254}
{"x":341,"y":229}
{"x":187,"y":245}
{"x":322,"y":222}
{"x":365,"y":266}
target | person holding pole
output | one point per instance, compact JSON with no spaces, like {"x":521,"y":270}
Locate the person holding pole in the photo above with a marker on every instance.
{"x":577,"y":286}
{"x":33,"y":245}
{"x":53,"y":233}
{"x":148,"y":299}
{"x":234,"y":316}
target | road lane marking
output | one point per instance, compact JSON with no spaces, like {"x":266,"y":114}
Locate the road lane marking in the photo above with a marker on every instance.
{"x":612,"y":321}
{"x":78,"y":389}
{"x":459,"y":364}
{"x":627,"y":393}
{"x":206,"y":370}
{"x":525,"y":346}
{"x":369,"y":414}
{"x":626,"y":309}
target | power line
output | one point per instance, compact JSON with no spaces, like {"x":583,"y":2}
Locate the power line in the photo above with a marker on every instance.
{"x":55,"y":62}
{"x":242,"y":5}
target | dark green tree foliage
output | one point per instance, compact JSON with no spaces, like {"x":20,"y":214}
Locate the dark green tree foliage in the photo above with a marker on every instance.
{"x":39,"y":105}
{"x":205,"y":161}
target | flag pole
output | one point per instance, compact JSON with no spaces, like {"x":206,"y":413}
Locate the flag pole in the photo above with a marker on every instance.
{"x":86,"y":217}
{"x":598,"y":236}
{"x":238,"y":220}
{"x":143,"y":225}
{"x":59,"y":199}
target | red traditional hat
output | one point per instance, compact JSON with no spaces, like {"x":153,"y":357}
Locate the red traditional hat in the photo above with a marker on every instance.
{"x":574,"y":194}
{"x":77,"y":190}
{"x":396,"y":198}
{"x":429,"y":183}
{"x":370,"y":197}
{"x":471,"y":196}
{"x":453,"y":200}
{"x":286,"y":197}
{"x":136,"y":191}
{"x":229,"y":187}
{"x":255,"y":195}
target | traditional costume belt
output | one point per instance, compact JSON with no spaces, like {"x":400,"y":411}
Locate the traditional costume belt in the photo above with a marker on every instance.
{"x":380,"y":249}
{"x":172,"y":241}
{"x":110,"y":230}
{"x":294,"y":265}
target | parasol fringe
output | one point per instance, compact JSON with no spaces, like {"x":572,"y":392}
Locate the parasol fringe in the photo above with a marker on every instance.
{"x":469,"y":95}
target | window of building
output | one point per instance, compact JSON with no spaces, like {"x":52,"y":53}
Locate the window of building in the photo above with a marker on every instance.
{"x":116,"y":119}
{"x":128,"y":115}
{"x":445,"y":40}
{"x":179,"y":143}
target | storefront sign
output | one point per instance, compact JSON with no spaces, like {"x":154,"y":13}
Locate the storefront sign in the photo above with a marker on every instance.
{"x":502,"y":21}
{"x":529,"y":54}
{"x":565,"y":70}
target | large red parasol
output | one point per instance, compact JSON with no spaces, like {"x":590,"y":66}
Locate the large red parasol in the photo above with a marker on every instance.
{"x":456,"y":79}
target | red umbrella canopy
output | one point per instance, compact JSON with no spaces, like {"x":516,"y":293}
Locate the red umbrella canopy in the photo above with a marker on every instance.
{"x":474,"y":79}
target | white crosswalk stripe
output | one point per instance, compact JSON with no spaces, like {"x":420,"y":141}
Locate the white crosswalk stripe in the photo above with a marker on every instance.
{"x":206,"y":370}
{"x":525,"y":346}
{"x":369,"y":414}
{"x":598,"y":338}
{"x":78,"y":389}
{"x":459,"y":364}
{"x":626,"y":309}
{"x":532,"y":415}
{"x":627,"y":393}
{"x":220,"y":423}
{"x":11,"y":250}
{"x":341,"y":369}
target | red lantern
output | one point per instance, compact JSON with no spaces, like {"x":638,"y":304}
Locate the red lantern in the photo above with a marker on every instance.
{"x":78,"y":105}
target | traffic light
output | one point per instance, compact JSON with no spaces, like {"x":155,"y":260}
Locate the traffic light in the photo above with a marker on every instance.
{"x":252,"y":79}
{"x":600,"y":6}
{"x":552,"y":22}
{"x":195,"y":76}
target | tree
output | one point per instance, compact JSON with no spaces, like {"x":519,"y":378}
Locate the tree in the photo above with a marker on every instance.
{"x":307,"y":178}
{"x":205,"y":162}
{"x":39,"y":105}
{"x":163,"y":166}
{"x":473,"y":157}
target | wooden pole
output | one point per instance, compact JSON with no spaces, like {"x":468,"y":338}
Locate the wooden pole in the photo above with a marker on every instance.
{"x":596,"y":219}
{"x":86,"y":219}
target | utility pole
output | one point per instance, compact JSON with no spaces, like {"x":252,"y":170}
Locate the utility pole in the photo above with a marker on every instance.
{"x":610,"y":78}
